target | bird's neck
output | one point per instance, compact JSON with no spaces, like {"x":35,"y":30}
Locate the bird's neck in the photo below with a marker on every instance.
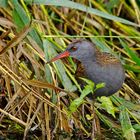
{"x":86,"y":61}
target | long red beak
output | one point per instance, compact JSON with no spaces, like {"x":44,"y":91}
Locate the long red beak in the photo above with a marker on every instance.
{"x":59,"y":56}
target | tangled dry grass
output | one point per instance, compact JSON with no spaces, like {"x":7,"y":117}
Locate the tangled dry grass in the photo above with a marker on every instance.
{"x":34,"y":97}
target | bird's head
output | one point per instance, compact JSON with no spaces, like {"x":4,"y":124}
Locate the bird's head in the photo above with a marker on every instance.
{"x":78,"y":49}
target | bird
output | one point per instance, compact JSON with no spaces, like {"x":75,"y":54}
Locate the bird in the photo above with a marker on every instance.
{"x":99,"y":67}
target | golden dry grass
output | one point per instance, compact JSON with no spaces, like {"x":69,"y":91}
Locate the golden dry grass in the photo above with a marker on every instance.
{"x":35,"y":97}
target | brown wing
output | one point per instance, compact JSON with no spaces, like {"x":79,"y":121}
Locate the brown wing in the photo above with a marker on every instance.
{"x":104,"y":58}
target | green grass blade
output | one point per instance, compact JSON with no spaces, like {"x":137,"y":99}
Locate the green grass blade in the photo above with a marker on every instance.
{"x":131,"y":53}
{"x":3,"y":3}
{"x":132,"y":68}
{"x":128,"y":130}
{"x":78,"y":6}
{"x":21,"y":19}
{"x":59,"y":66}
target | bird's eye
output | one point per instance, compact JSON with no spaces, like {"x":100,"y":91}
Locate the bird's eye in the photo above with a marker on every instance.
{"x":73,"y":48}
